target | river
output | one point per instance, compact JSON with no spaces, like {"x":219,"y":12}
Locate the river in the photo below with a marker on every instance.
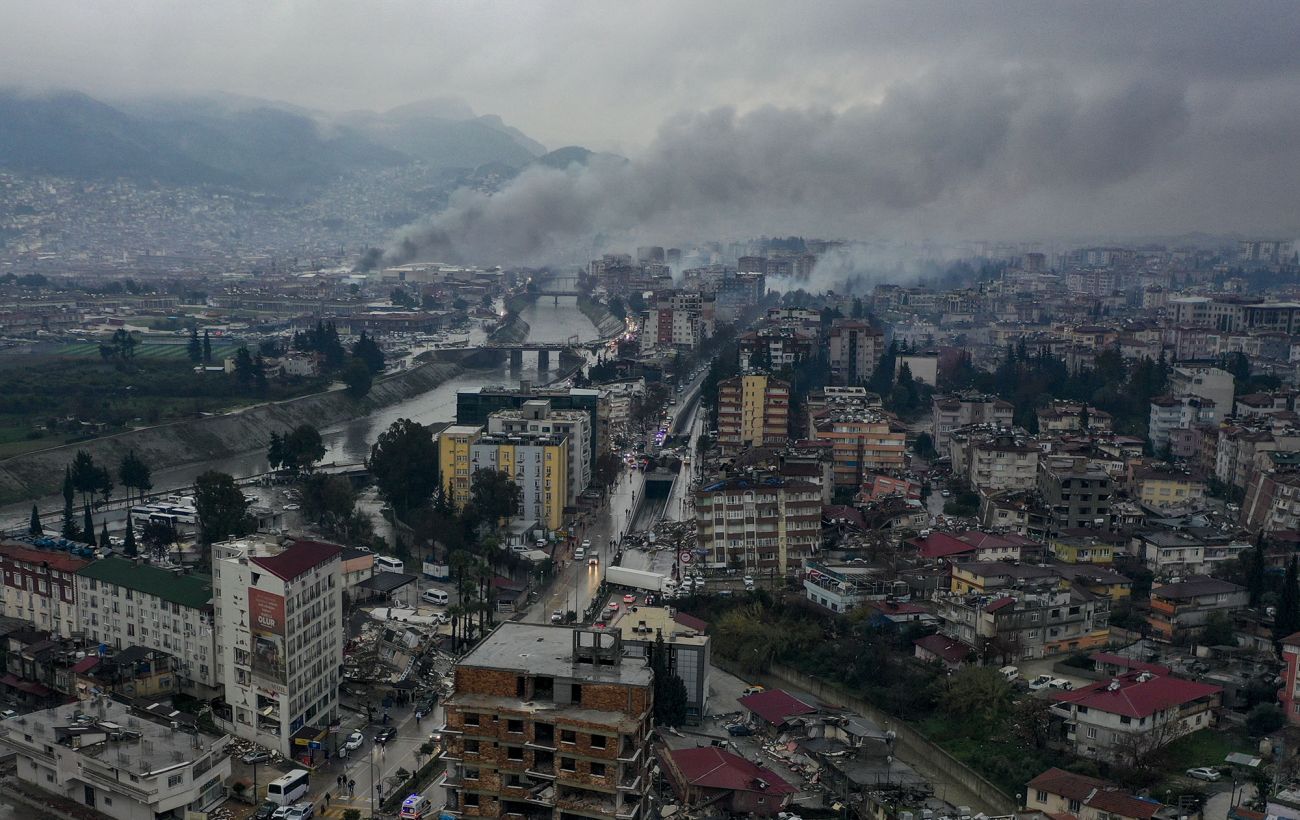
{"x":549,"y":318}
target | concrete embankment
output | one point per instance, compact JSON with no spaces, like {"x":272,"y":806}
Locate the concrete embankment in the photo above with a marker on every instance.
{"x":607,"y":324}
{"x":40,"y":473}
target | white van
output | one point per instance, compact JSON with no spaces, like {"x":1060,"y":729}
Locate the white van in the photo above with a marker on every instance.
{"x":385,"y":564}
{"x":437,"y":597}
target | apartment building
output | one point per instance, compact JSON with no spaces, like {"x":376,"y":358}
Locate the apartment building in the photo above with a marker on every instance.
{"x":765,"y":526}
{"x":1057,"y":793}
{"x":539,"y":465}
{"x":454,"y":445}
{"x":1180,"y":611}
{"x":1076,"y":493}
{"x":1085,"y":546}
{"x":753,"y":411}
{"x":1272,"y":501}
{"x":1241,"y":450}
{"x":279,"y":614}
{"x":1162,"y":486}
{"x":125,"y":603}
{"x":1126,"y":718}
{"x":1289,"y":694}
{"x":1207,"y":382}
{"x":862,"y":443}
{"x":1017,"y":625}
{"x":947,"y":413}
{"x":1187,"y":551}
{"x":118,"y":763}
{"x":777,"y":347}
{"x":678,"y":320}
{"x":548,"y":721}
{"x":687,"y":646}
{"x":473,"y":407}
{"x":1070,"y":417}
{"x":997,"y":462}
{"x":1170,"y":414}
{"x":40,"y":587}
{"x":538,"y":417}
{"x":855,"y":348}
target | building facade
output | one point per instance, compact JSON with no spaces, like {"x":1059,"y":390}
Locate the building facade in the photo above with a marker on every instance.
{"x":538,"y":417}
{"x":765,"y":526}
{"x":854,"y":347}
{"x":279,"y":614}
{"x":753,"y":411}
{"x":538,"y":463}
{"x":40,"y":587}
{"x":862,"y":443}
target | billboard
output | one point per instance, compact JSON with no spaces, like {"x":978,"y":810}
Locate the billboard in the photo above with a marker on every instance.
{"x":266,"y":620}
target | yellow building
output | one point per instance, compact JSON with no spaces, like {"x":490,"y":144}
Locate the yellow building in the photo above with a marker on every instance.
{"x":1075,"y":548}
{"x":753,"y":411}
{"x":454,"y":445}
{"x":539,"y":465}
{"x":1165,"y":487}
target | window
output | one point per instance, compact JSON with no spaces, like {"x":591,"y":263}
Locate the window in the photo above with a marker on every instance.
{"x":471,"y":799}
{"x":1042,"y":796}
{"x":568,"y":736}
{"x":568,"y":764}
{"x":597,"y":769}
{"x":515,"y":753}
{"x":515,"y":727}
{"x":598,"y":741}
{"x":1092,"y":735}
{"x":575,"y":693}
{"x":175,"y":780}
{"x":471,"y":774}
{"x":471,"y":747}
{"x":1074,"y":805}
{"x":471,"y":718}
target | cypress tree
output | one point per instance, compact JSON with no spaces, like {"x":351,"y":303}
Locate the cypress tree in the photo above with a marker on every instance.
{"x":34,"y":528}
{"x":103,"y":535}
{"x":88,"y":527}
{"x":128,"y":540}
{"x":207,"y":348}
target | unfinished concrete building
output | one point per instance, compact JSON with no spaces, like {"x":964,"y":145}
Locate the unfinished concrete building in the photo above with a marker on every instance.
{"x":549,"y":722}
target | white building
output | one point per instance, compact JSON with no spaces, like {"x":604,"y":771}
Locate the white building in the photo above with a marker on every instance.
{"x":125,"y":603}
{"x":537,"y":416}
{"x":1170,"y":413}
{"x":1206,"y":382}
{"x":279,"y":613}
{"x":126,"y":766}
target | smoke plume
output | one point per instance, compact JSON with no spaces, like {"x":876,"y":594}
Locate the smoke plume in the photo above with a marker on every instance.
{"x":948,"y":154}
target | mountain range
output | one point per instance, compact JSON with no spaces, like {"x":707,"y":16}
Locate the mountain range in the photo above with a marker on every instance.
{"x":251,"y":143}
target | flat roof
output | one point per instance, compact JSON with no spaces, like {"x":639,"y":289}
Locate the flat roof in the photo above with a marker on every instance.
{"x":548,"y":650}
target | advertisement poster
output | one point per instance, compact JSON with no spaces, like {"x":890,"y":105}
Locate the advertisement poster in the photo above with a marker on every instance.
{"x":266,"y":622}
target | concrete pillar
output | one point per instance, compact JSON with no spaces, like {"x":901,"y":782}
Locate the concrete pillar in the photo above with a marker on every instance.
{"x":516,"y":359}
{"x":543,"y":359}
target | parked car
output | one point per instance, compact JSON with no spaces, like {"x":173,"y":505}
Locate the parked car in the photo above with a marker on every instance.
{"x":256,"y":757}
{"x":1204,"y":773}
{"x":739,"y":730}
{"x":1060,"y":683}
{"x":557,"y":616}
{"x":1040,"y":682}
{"x":354,"y":741}
{"x":265,"y":811}
{"x":1011,"y":673}
{"x":384,"y":735}
{"x":749,"y":581}
{"x":752,"y":690}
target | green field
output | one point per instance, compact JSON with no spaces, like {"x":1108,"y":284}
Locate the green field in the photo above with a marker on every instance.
{"x":146,"y":350}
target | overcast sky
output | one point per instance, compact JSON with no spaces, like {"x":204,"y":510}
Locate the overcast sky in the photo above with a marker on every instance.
{"x":996,"y":117}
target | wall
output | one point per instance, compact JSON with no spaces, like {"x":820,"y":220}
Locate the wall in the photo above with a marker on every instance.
{"x":953,"y":780}
{"x":37,"y":474}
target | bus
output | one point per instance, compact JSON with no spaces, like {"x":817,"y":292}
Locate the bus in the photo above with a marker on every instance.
{"x":385,"y":564}
{"x":286,"y":790}
{"x":415,"y":807}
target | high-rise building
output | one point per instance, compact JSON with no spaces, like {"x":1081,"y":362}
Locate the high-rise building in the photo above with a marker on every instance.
{"x":279,"y":613}
{"x":950,"y":412}
{"x":765,"y":525}
{"x":753,"y":411}
{"x":548,"y":721}
{"x":473,"y":407}
{"x":454,"y":471}
{"x":855,"y":348}
{"x":537,"y":462}
{"x":537,"y":416}
{"x":862,"y":442}
{"x":132,"y":603}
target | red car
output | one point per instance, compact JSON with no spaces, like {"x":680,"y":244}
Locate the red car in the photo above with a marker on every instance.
{"x":629,"y":599}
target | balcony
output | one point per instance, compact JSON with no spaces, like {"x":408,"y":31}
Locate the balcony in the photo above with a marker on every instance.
{"x":541,"y":770}
{"x":629,"y":779}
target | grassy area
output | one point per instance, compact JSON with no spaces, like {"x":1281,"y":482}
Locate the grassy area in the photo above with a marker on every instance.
{"x":997,"y":753}
{"x":1207,"y":747}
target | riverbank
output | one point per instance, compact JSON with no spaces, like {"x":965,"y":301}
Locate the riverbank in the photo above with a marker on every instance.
{"x":607,"y":324}
{"x":40,"y":473}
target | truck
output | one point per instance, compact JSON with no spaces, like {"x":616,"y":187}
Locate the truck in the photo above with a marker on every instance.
{"x":634,"y":578}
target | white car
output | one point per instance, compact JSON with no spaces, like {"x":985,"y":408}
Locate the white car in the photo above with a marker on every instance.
{"x":749,"y":581}
{"x":354,"y":741}
{"x":1040,"y":682}
{"x":1060,"y":683}
{"x":1204,"y":773}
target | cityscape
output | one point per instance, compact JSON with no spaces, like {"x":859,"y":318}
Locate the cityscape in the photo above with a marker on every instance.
{"x":880,"y":412}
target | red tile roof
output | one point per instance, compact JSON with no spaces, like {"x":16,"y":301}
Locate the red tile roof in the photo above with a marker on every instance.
{"x":1067,"y":784}
{"x":940,"y":545}
{"x":1094,"y":793}
{"x":691,"y":622}
{"x":897,"y":609}
{"x":30,"y":555}
{"x":1138,"y":694}
{"x":952,"y":651}
{"x":712,"y":768}
{"x":776,"y":706}
{"x":1000,"y":603}
{"x":1123,"y":804}
{"x":85,"y":664}
{"x":300,"y":557}
{"x":1292,"y":640}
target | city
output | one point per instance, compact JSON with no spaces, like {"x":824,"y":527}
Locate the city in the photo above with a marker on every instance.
{"x":926,"y":449}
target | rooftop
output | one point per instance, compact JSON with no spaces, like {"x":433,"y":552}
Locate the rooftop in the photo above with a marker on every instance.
{"x":548,"y":650}
{"x":297,"y":559}
{"x":709,"y":767}
{"x":1138,"y":694}
{"x":193,"y":591}
{"x":1195,"y":587}
{"x":776,"y":706}
{"x":23,"y":553}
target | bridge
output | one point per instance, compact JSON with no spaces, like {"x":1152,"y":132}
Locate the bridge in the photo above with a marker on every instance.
{"x":542,"y":349}
{"x":565,"y":284}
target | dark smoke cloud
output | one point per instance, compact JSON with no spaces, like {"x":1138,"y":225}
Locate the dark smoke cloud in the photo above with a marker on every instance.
{"x":953,"y":142}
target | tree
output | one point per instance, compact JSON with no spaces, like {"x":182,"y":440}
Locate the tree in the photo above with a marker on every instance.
{"x":135,"y":474}
{"x":1255,"y":572}
{"x":103,"y":535}
{"x":157,"y":538}
{"x":1219,"y":630}
{"x":207,"y":348}
{"x":69,"y":492}
{"x":129,"y":548}
{"x":368,"y":352}
{"x":243,"y":367}
{"x":297,"y":450}
{"x":1265,"y":719}
{"x":403,"y":463}
{"x":494,"y":495}
{"x":669,"y":691}
{"x":1287,"y":619}
{"x":357,"y":378}
{"x":978,"y":694}
{"x":34,"y":526}
{"x":221,"y":507}
{"x":88,"y":527}
{"x":195,"y":347}
{"x":924,"y":445}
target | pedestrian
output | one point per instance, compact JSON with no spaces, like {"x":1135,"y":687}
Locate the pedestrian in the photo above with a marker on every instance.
{"x":352,"y":786}
{"x":327,"y":800}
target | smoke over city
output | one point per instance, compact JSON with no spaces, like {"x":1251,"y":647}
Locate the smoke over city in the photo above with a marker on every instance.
{"x":944,"y":150}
